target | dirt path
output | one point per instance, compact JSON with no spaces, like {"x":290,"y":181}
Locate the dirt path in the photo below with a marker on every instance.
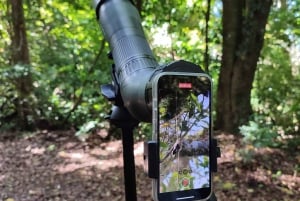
{"x":56,"y":166}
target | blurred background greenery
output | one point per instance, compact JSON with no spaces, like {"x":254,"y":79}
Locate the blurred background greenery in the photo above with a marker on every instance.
{"x":68,"y":62}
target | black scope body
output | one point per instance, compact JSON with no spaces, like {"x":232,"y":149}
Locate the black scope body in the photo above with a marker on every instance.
{"x":134,"y":61}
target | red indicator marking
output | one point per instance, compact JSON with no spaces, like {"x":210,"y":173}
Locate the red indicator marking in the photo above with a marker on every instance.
{"x":185,"y":85}
{"x":185,"y":182}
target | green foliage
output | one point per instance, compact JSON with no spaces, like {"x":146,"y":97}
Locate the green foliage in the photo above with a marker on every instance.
{"x":276,"y":92}
{"x":68,"y":64}
{"x":177,"y":30}
{"x":259,"y":133}
{"x":143,"y":131}
{"x":9,"y":94}
{"x":86,"y":128}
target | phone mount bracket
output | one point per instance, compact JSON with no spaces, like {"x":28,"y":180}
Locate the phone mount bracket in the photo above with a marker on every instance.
{"x":151,"y":160}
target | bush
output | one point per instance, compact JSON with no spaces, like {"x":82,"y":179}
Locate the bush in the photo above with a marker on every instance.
{"x":260,"y":133}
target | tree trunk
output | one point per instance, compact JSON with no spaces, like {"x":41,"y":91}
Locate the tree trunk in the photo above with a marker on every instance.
{"x":206,"y":53}
{"x":20,"y":56}
{"x":244,"y":24}
{"x":139,"y":5}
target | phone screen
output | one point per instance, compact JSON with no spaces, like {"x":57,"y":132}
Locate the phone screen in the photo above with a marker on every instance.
{"x":184,"y":116}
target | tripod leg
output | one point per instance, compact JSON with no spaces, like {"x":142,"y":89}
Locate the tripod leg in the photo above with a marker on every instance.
{"x":129,"y":164}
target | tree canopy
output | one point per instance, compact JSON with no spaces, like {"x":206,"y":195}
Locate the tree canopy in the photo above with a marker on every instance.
{"x":67,"y":61}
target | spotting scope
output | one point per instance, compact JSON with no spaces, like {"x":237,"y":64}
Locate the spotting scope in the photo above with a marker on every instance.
{"x":134,"y":63}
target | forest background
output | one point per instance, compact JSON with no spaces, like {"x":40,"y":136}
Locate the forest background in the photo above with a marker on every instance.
{"x":54,"y":59}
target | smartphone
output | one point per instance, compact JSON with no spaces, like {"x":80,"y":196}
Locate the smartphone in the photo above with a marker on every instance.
{"x":182,"y":128}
